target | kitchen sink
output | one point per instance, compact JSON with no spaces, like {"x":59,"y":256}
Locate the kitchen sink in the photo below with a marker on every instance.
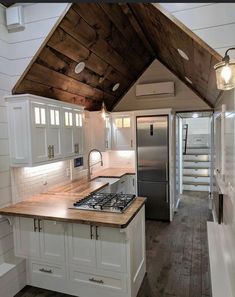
{"x":109,"y":180}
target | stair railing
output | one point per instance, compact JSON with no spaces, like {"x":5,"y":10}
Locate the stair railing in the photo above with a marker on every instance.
{"x":185,"y":139}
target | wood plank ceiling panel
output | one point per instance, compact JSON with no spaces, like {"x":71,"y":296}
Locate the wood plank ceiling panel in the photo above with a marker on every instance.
{"x":117,"y":42}
{"x":166,"y":34}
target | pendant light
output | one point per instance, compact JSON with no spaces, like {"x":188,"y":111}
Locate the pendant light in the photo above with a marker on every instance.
{"x":103,"y":111}
{"x":225,"y":72}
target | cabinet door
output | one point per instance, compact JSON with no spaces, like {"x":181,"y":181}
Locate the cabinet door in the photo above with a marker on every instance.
{"x":108,"y":134}
{"x":78,"y":133}
{"x":81,"y":245}
{"x":123,"y":185}
{"x":54,"y":132}
{"x":68,"y":123}
{"x":111,"y":249}
{"x":27,"y":237}
{"x":122,"y":133}
{"x":39,"y":133}
{"x":52,"y":241}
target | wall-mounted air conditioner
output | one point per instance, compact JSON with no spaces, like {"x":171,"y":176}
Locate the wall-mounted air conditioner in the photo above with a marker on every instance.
{"x":161,"y":89}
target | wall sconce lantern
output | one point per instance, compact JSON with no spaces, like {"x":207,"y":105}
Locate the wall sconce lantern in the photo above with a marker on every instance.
{"x":225,"y":72}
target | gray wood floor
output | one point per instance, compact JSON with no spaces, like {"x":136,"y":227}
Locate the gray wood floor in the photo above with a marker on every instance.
{"x":177,"y":254}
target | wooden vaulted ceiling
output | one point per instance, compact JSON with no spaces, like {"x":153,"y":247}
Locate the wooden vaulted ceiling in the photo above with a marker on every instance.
{"x":117,"y":42}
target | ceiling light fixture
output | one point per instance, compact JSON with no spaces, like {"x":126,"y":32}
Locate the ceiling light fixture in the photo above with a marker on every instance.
{"x":225,"y":72}
{"x":103,"y":111}
{"x":195,"y":115}
{"x":188,"y":80}
{"x":79,"y":67}
{"x":182,"y":54}
{"x":115,"y":87}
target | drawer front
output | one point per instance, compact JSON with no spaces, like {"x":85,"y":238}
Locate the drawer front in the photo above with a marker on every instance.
{"x":114,"y":282}
{"x":47,"y":270}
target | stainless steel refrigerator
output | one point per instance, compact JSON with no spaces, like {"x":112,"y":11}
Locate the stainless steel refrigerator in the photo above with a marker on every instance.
{"x":152,"y":138}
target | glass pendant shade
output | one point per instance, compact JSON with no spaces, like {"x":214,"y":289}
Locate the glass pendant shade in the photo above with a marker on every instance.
{"x":103,"y":111}
{"x":225,"y":75}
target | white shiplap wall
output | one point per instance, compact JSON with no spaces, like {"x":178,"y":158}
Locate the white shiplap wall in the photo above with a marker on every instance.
{"x":212,"y":22}
{"x":16,"y":51}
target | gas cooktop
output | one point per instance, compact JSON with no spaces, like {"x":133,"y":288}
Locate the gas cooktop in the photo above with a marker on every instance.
{"x":110,"y":202}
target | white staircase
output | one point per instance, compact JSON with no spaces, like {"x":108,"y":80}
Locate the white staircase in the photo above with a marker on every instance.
{"x":196,"y":169}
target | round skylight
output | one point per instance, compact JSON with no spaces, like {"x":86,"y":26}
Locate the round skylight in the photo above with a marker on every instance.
{"x":183,"y":54}
{"x":115,"y":87}
{"x":79,"y":68}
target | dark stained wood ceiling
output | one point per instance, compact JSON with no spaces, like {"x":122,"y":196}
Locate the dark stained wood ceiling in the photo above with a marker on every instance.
{"x":7,"y":3}
{"x":117,"y":42}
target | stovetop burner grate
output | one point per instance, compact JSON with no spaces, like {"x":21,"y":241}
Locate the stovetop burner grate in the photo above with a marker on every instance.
{"x":110,"y":202}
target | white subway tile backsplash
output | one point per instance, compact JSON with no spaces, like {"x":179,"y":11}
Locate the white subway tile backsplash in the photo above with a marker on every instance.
{"x":30,"y":181}
{"x":5,"y":196}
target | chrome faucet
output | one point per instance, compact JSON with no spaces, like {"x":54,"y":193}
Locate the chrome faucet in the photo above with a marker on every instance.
{"x":89,"y":165}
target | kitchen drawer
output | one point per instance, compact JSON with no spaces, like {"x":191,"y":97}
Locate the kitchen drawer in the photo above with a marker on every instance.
{"x":105,"y":281}
{"x":46,"y":271}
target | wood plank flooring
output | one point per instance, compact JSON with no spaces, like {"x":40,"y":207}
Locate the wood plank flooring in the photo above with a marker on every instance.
{"x":177,"y":254}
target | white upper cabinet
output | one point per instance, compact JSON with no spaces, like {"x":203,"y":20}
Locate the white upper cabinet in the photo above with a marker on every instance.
{"x":43,"y":130}
{"x":123,"y":131}
{"x":100,"y":130}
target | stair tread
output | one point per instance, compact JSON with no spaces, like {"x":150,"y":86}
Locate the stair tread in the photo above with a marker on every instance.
{"x":196,"y":183}
{"x":196,"y":154}
{"x":198,"y":147}
{"x":190,"y":167}
{"x":196,"y":161}
{"x":196,"y":175}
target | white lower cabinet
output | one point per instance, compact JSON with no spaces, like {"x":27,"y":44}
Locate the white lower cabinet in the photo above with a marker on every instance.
{"x":83,"y":260}
{"x":40,"y":239}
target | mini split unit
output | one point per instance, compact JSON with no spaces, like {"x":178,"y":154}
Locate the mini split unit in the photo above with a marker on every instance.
{"x":161,"y":89}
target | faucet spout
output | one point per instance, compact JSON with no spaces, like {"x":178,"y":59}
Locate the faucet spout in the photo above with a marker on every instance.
{"x":89,"y":165}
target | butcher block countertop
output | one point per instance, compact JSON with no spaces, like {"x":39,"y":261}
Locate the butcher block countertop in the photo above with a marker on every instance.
{"x":56,"y":205}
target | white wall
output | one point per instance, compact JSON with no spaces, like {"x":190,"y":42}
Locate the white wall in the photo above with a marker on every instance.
{"x":198,"y":125}
{"x":185,"y":99}
{"x":212,"y":22}
{"x":16,"y":51}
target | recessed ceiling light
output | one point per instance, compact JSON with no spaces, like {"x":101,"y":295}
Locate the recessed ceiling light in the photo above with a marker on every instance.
{"x":79,"y":67}
{"x":182,"y":54}
{"x":115,"y":87}
{"x":195,"y":115}
{"x":188,"y":80}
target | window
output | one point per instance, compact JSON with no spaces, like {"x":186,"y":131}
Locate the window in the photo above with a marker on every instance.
{"x":78,"y":119}
{"x":54,"y":117}
{"x":123,"y":122}
{"x":40,"y":115}
{"x":68,"y":118}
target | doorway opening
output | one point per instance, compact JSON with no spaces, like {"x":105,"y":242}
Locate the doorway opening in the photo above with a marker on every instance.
{"x":194,"y":139}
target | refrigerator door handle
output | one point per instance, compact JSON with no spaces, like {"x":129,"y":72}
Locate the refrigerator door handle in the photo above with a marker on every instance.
{"x":167,"y":176}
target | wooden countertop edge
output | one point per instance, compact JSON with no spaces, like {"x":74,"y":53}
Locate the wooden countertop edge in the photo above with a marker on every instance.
{"x":80,"y":221}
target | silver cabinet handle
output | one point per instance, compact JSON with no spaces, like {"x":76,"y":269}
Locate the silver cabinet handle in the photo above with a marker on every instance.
{"x":49,"y":151}
{"x":133,"y":182}
{"x":106,"y":144}
{"x":131,"y":143}
{"x":53,"y":152}
{"x":34,"y":225}
{"x":39,"y":226}
{"x":98,"y":281}
{"x":96,"y":233}
{"x":45,"y":270}
{"x":91,"y":233}
{"x":76,"y":148}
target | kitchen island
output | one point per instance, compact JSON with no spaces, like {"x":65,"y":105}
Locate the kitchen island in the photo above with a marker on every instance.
{"x":79,"y":252}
